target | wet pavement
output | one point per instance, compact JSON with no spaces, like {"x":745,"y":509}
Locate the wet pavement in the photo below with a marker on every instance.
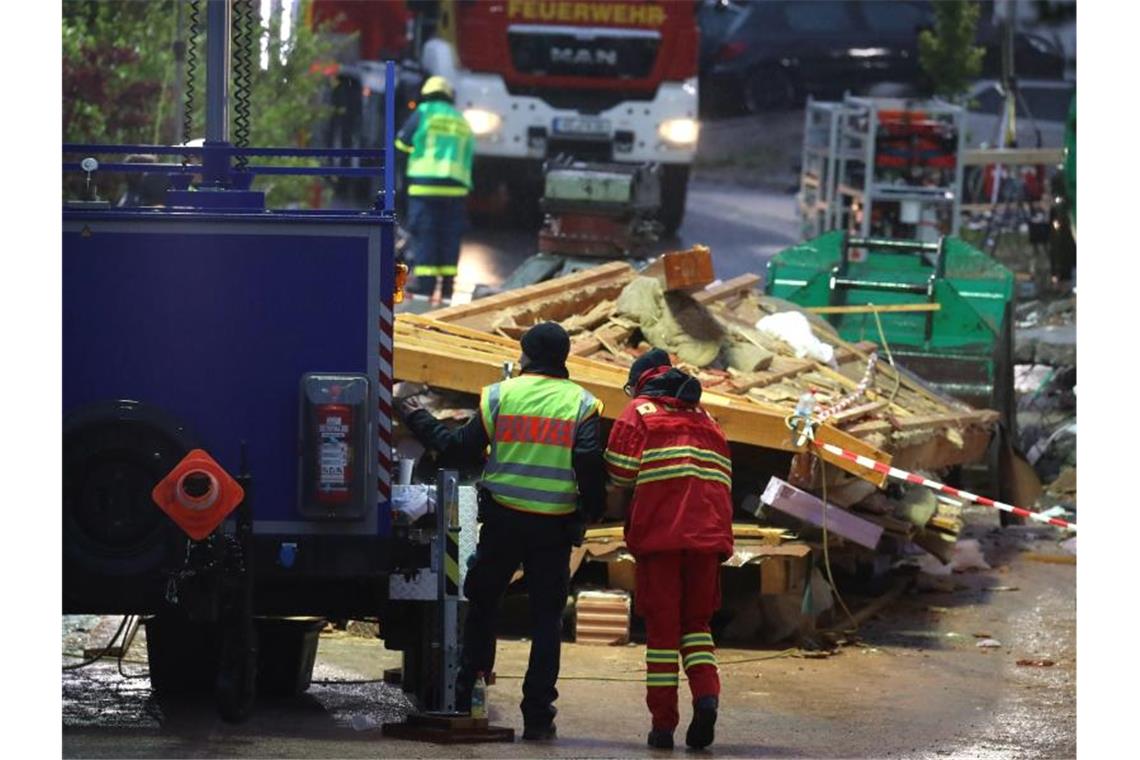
{"x":744,"y":227}
{"x":916,"y":685}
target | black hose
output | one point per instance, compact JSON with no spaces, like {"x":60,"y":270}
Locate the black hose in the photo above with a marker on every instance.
{"x":103,"y":652}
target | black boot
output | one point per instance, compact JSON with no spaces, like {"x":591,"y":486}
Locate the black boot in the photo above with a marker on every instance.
{"x":700,"y":733}
{"x":536,"y":733}
{"x":661,"y":739}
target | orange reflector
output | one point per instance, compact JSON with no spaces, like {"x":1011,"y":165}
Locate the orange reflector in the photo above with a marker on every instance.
{"x":197,"y":494}
{"x":401,"y":282}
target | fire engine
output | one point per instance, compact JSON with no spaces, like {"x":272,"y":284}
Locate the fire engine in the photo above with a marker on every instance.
{"x":594,"y":80}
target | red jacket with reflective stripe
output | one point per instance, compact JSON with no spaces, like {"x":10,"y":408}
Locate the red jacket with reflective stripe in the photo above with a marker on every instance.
{"x":676,"y":459}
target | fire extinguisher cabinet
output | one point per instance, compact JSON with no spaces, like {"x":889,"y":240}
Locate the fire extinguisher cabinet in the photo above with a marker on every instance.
{"x":335,"y":430}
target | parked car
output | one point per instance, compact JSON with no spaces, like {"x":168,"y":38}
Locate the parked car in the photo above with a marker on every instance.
{"x":766,"y":54}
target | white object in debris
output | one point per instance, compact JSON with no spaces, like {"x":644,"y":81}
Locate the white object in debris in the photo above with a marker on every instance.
{"x":413,"y":502}
{"x":989,"y":644}
{"x":793,"y":328}
{"x":968,"y":556}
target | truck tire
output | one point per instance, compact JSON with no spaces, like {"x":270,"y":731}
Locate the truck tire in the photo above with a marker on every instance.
{"x":674,"y":190}
{"x":114,"y":537}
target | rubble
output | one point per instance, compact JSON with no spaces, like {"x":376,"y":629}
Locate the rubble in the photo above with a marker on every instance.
{"x":752,"y":381}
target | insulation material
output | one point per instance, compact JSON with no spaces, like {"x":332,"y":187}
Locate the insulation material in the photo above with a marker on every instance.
{"x":672,"y":321}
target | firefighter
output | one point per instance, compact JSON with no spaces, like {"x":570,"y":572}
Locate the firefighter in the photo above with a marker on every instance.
{"x":441,"y":149}
{"x":669,"y":462}
{"x":543,"y":478}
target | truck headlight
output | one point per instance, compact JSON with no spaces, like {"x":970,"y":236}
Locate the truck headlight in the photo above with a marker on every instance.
{"x":680,"y":131}
{"x":482,"y":122}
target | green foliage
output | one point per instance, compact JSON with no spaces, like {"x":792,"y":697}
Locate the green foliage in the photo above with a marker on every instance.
{"x":119,"y":81}
{"x":947,"y":53}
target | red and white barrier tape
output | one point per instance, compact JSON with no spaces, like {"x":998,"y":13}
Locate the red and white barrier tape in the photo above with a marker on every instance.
{"x":909,"y":477}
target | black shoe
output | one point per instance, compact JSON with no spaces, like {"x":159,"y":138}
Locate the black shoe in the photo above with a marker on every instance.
{"x":700,"y":733}
{"x":661,"y":739}
{"x":540,"y":733}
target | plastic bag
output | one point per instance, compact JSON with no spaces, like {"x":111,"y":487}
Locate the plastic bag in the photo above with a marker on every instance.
{"x":793,"y":328}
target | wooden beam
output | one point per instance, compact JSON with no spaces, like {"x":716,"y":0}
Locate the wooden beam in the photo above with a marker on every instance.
{"x":726,"y":289}
{"x":612,"y":272}
{"x":869,"y":308}
{"x":742,"y":421}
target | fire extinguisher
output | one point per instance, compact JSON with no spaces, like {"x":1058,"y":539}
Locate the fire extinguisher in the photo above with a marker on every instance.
{"x":334,"y":423}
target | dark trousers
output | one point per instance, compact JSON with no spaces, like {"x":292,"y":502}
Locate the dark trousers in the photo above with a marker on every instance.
{"x":436,"y":225}
{"x":541,"y":544}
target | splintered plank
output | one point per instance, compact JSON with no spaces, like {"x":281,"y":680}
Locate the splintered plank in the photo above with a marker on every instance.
{"x":481,"y":311}
{"x":726,"y":289}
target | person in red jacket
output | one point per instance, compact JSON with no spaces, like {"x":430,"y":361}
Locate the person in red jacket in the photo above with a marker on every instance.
{"x":674,"y":457}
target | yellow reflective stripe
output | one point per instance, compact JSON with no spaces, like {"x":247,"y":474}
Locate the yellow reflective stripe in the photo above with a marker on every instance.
{"x":670,"y":452}
{"x":699,"y":658}
{"x":697,"y":639}
{"x":621,"y":460}
{"x":448,"y":270}
{"x":425,"y":270}
{"x":620,"y":481}
{"x":684,"y":471}
{"x":667,"y":656}
{"x":443,"y":191}
{"x":662,"y":679}
{"x":401,"y":145}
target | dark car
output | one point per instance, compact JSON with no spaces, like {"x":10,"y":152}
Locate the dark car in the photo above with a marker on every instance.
{"x":766,"y":54}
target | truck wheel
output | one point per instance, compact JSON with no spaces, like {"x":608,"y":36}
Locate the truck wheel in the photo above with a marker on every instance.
{"x":674,"y":190}
{"x":115,"y":540}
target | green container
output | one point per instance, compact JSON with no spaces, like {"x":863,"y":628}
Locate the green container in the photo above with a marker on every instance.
{"x":965,"y":349}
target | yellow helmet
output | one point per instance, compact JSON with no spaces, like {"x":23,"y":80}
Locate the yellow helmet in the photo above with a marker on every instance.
{"x":437,"y":84}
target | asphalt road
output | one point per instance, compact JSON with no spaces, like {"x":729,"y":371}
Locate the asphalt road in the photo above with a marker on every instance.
{"x":742,"y":226}
{"x":917,"y":685}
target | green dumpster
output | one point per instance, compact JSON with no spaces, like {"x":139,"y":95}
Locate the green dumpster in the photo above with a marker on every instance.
{"x":964,"y":349}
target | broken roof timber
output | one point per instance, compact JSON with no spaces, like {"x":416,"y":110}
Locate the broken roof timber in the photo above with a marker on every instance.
{"x":427,"y":352}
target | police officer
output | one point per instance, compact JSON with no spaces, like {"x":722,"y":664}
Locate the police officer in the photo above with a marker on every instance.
{"x":441,"y":149}
{"x":544,"y":477}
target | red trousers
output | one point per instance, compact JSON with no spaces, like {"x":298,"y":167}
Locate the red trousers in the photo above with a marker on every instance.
{"x":677,"y":594}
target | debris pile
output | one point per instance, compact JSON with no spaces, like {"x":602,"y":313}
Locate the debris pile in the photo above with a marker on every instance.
{"x":754,"y":369}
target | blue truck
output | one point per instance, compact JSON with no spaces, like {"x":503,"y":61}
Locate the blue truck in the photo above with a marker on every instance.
{"x":211,"y":326}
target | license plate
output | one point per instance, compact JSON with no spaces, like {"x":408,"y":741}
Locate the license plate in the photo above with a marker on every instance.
{"x":582,"y":125}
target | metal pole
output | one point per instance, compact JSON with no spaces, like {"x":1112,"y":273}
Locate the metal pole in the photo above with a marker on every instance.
{"x":179,"y":73}
{"x":389,"y":137}
{"x":219,"y":13}
{"x":447,"y":530}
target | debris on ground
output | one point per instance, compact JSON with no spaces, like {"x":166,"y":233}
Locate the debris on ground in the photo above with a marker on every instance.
{"x":989,"y":644}
{"x":1036,"y":663}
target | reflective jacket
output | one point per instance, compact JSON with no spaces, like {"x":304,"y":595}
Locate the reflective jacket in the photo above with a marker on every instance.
{"x":676,"y":459}
{"x":442,"y":149}
{"x":531,"y":422}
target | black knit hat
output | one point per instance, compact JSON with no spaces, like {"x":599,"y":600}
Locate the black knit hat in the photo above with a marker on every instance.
{"x":651,"y":359}
{"x":546,"y":344}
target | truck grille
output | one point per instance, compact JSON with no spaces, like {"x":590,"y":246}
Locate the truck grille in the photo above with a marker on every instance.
{"x":609,"y":53}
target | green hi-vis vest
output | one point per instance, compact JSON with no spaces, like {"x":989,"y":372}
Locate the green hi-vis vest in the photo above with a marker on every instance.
{"x":531,"y":421}
{"x":442,"y":148}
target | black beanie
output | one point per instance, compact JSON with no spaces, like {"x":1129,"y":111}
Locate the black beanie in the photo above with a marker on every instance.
{"x":651,"y":359}
{"x":546,"y":344}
